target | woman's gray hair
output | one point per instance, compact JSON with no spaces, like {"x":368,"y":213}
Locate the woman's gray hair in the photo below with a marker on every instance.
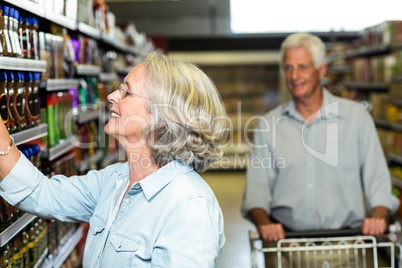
{"x":310,"y":43}
{"x":188,"y":119}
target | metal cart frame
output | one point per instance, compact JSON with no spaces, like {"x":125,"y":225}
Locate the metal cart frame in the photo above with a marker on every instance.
{"x":329,"y":249}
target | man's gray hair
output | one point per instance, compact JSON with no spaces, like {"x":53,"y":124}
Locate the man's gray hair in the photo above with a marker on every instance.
{"x":310,"y":43}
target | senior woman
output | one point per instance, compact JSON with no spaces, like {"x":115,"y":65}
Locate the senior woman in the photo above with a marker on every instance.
{"x":154,"y":210}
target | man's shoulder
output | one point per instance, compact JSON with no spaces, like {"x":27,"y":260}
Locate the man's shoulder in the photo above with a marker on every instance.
{"x":348,"y":107}
{"x":278,"y":111}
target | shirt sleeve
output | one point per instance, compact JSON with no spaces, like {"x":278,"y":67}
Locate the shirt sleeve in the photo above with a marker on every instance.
{"x":257,"y":193}
{"x":374,"y":168}
{"x":66,"y":199}
{"x":192,"y":236}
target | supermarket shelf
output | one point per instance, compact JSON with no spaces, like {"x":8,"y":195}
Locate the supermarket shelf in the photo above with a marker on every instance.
{"x":88,"y":69}
{"x":8,"y":63}
{"x":60,"y":149}
{"x":108,"y":77}
{"x":28,"y":6}
{"x":340,"y":69}
{"x":396,"y":127}
{"x":65,"y":250}
{"x":367,"y":86}
{"x":124,"y":71}
{"x":381,"y":123}
{"x":30,"y":134}
{"x":396,"y":102}
{"x":89,"y":30}
{"x":395,"y":158}
{"x":61,"y":20}
{"x":15,"y":228}
{"x":110,"y":158}
{"x":71,"y":24}
{"x":396,"y":182}
{"x":87,"y":116}
{"x":384,"y":124}
{"x":396,"y":79}
{"x":369,"y":52}
{"x":39,"y":263}
{"x":60,"y":84}
{"x":85,"y":164}
{"x":118,"y":45}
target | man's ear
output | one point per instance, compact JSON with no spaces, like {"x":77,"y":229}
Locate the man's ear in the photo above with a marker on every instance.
{"x":323,"y":70}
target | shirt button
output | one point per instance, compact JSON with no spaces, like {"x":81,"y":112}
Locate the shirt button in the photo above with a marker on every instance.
{"x":128,"y":201}
{"x":137,"y":186}
{"x":96,"y":229}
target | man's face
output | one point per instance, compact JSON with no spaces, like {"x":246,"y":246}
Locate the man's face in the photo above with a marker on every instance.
{"x":302,"y":77}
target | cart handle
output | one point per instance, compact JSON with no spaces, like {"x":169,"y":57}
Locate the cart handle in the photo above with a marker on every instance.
{"x":392,"y":228}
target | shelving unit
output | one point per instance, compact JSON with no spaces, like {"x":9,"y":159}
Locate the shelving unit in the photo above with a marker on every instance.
{"x":42,"y":258}
{"x":396,"y":181}
{"x":59,"y":84}
{"x":108,"y":77}
{"x":30,"y":134}
{"x":65,"y":250}
{"x":86,"y":163}
{"x":362,"y":86}
{"x":89,"y":30}
{"x":15,"y":64}
{"x":50,"y":86}
{"x":366,"y":52}
{"x":384,"y":124}
{"x":63,"y":147}
{"x":110,"y":158}
{"x":395,"y":158}
{"x":71,"y":24}
{"x":28,"y":6}
{"x":15,"y":228}
{"x":87,"y":116}
{"x":88,"y":70}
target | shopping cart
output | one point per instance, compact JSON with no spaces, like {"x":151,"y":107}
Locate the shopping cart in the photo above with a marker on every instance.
{"x":330,"y":248}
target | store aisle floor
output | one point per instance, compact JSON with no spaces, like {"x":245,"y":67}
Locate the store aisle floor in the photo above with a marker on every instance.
{"x":228,"y":188}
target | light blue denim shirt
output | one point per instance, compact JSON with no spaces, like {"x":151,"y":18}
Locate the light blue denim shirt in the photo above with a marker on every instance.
{"x":169,"y":219}
{"x":323,"y":175}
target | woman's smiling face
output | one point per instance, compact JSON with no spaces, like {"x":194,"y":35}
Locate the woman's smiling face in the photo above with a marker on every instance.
{"x":129,"y":110}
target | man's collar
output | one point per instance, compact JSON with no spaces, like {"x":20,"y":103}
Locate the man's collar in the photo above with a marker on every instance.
{"x":329,"y":108}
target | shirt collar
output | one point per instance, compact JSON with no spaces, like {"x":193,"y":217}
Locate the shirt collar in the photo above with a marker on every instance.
{"x":329,"y":108}
{"x":153,"y":183}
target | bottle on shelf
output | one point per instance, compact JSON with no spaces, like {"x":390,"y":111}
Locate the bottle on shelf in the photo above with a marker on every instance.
{"x":26,"y":38}
{"x":2,"y":40}
{"x":10,"y":251}
{"x":25,"y":242}
{"x":29,"y":99}
{"x":33,"y":34}
{"x":22,"y":38}
{"x":36,"y":102}
{"x":4,"y":257}
{"x":31,"y":245}
{"x":3,"y":99}
{"x":14,"y":25}
{"x":7,"y":48}
{"x":10,"y":102}
{"x":19,"y":101}
{"x":18,"y":253}
{"x":11,"y":32}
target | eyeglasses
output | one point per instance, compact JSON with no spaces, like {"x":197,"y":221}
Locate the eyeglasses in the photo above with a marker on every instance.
{"x":124,"y":92}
